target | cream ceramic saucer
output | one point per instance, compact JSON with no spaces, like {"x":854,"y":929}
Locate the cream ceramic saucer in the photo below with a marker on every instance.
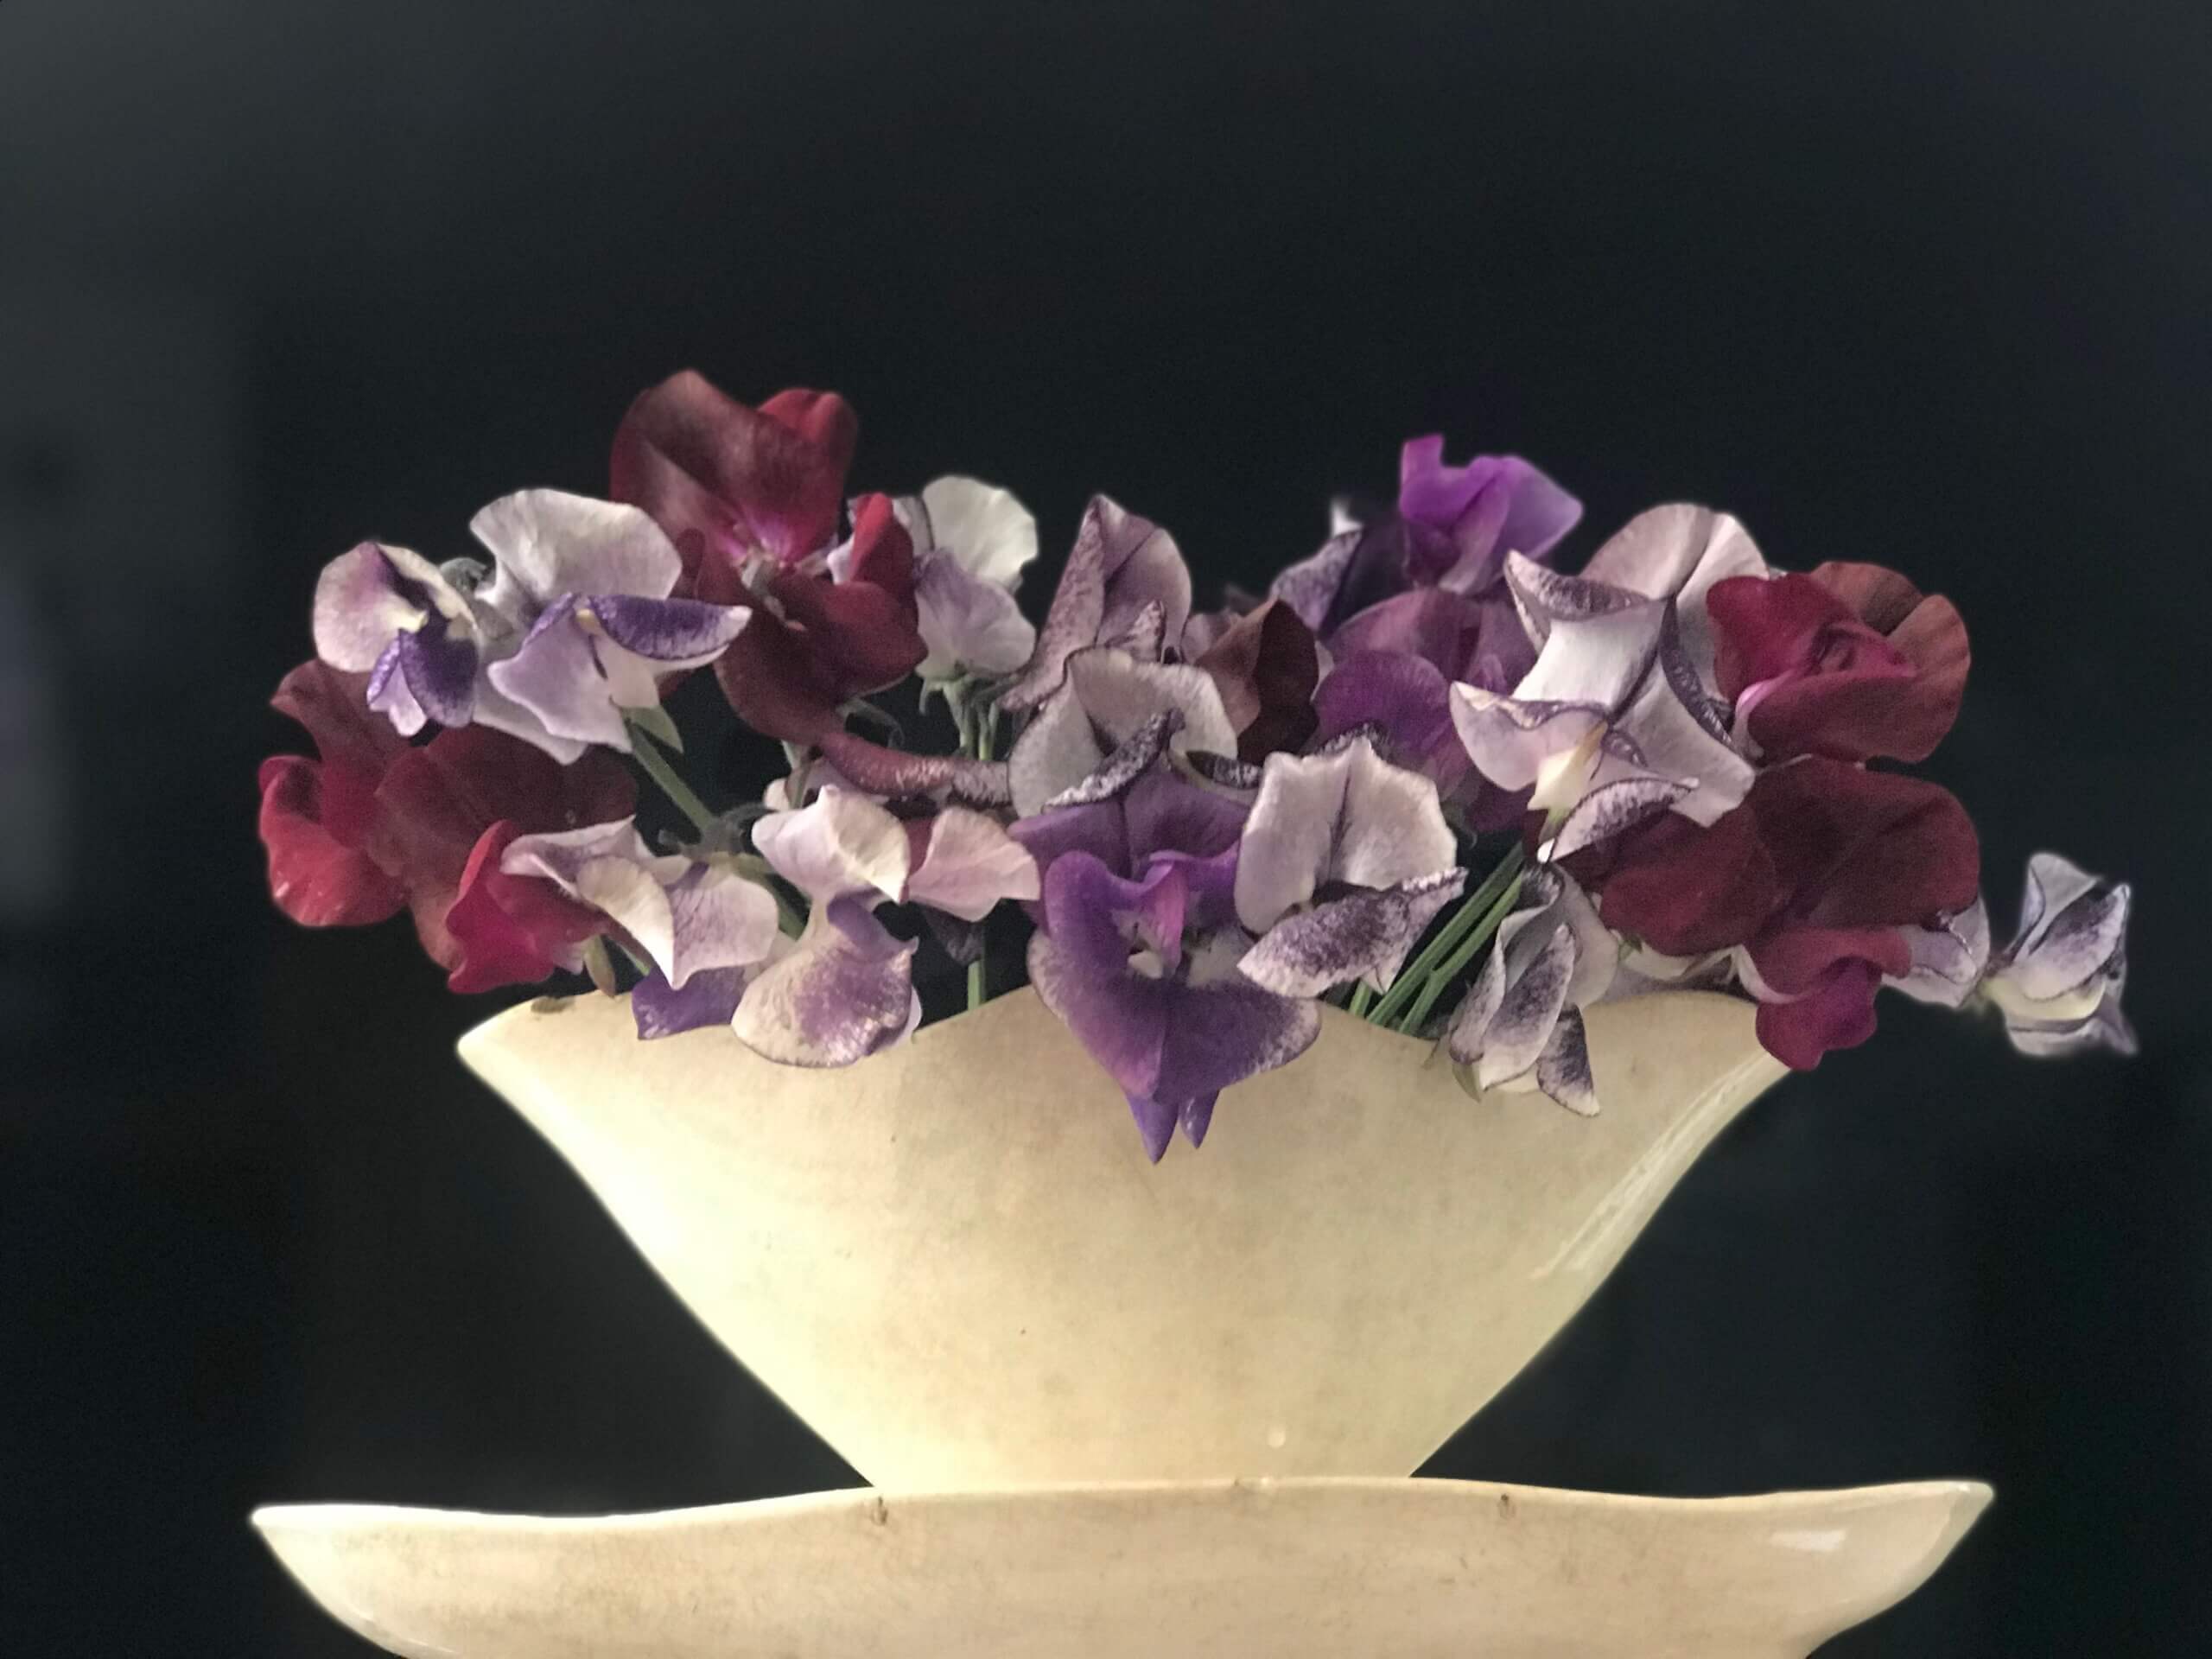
{"x":1292,"y":1569}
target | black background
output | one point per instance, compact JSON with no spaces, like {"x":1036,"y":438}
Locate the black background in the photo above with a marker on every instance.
{"x":1921,"y":283}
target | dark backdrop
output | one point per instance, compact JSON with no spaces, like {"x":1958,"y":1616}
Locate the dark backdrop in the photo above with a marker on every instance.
{"x":1924,"y":283}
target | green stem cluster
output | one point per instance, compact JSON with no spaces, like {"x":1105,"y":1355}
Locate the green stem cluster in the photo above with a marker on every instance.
{"x":1415,"y":992}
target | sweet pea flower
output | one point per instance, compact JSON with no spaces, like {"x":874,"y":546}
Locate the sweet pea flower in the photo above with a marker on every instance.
{"x":573,"y":627}
{"x":972,"y":542}
{"x":730,"y":484}
{"x":1143,"y":968}
{"x":1112,"y":715}
{"x":708,"y":929}
{"x":2059,"y":984}
{"x":1852,"y":662}
{"x":378,"y":825}
{"x":1678,"y":552}
{"x":845,"y":988}
{"x":1612,"y":724}
{"x":1266,"y":665}
{"x":1425,"y":579}
{"x":1125,"y":586}
{"x":1344,"y":861}
{"x":1520,"y":1025}
{"x":1950,"y":958}
{"x":1814,"y":885}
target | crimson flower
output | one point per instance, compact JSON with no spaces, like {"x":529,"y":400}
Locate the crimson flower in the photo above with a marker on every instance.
{"x":1850,"y":662}
{"x":376,"y":825}
{"x":1812,"y":882}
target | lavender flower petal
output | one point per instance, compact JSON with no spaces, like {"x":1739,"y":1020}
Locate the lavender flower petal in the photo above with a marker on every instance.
{"x":839,"y":845}
{"x":1121,"y":564}
{"x":970,"y":863}
{"x":549,"y":544}
{"x":709,"y":999}
{"x":844,"y":992}
{"x":1350,"y":816}
{"x":1364,"y":935}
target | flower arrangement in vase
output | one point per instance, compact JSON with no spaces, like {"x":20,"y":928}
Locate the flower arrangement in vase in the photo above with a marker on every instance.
{"x":1471,"y":898}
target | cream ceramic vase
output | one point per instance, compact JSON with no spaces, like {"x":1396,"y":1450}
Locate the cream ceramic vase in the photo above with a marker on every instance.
{"x":1113,"y":1409}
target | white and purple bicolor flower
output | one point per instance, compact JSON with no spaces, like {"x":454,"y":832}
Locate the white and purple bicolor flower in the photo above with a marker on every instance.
{"x":1112,"y":717}
{"x":971,"y":540}
{"x":572,"y":626}
{"x":708,"y":929}
{"x":1125,"y":585}
{"x":1615,"y":723}
{"x":844,"y":988}
{"x":1520,"y":1025}
{"x":2059,"y":984}
{"x":1346,"y":861}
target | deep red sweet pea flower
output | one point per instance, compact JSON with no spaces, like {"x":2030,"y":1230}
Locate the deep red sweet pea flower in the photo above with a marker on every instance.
{"x":1814,"y":876}
{"x":512,"y":930}
{"x":316,"y":814}
{"x":378,"y":825}
{"x":1851,"y":662}
{"x":1266,"y":666}
{"x":817,"y":640}
{"x":729,"y":484}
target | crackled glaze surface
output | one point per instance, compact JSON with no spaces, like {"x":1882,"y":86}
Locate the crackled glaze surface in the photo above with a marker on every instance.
{"x":1293,"y":1570}
{"x":954,"y":1262}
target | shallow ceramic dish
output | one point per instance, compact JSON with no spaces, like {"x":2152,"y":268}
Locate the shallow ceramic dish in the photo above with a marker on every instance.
{"x":1299,"y":1569}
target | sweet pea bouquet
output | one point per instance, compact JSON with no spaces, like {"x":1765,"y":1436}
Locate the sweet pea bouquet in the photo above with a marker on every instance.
{"x":1429,"y":777}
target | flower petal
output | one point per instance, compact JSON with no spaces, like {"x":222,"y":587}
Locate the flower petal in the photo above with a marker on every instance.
{"x":1563,"y":1069}
{"x":842,"y":993}
{"x":1364,"y":935}
{"x":970,"y":864}
{"x":1121,"y":564}
{"x":722,"y":480}
{"x":707,"y":999}
{"x":987,"y":532}
{"x":839,"y":845}
{"x":550,"y":544}
{"x":319,"y":873}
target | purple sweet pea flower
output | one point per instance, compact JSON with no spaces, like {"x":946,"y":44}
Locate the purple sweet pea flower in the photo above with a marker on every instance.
{"x":2059,"y":984}
{"x":574,"y":625}
{"x":1520,"y":1025}
{"x":971,"y":544}
{"x":412,"y":626}
{"x":1125,"y":586}
{"x":1424,"y":580}
{"x":845,"y":990}
{"x":707,"y":930}
{"x":1612,"y":725}
{"x":1346,"y":861}
{"x":1144,"y":971}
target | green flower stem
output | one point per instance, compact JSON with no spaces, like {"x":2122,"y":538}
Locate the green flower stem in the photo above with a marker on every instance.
{"x":1450,"y":968}
{"x":680,"y":794}
{"x":981,"y":735}
{"x":1414,"y":975}
{"x":1363,"y":997}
